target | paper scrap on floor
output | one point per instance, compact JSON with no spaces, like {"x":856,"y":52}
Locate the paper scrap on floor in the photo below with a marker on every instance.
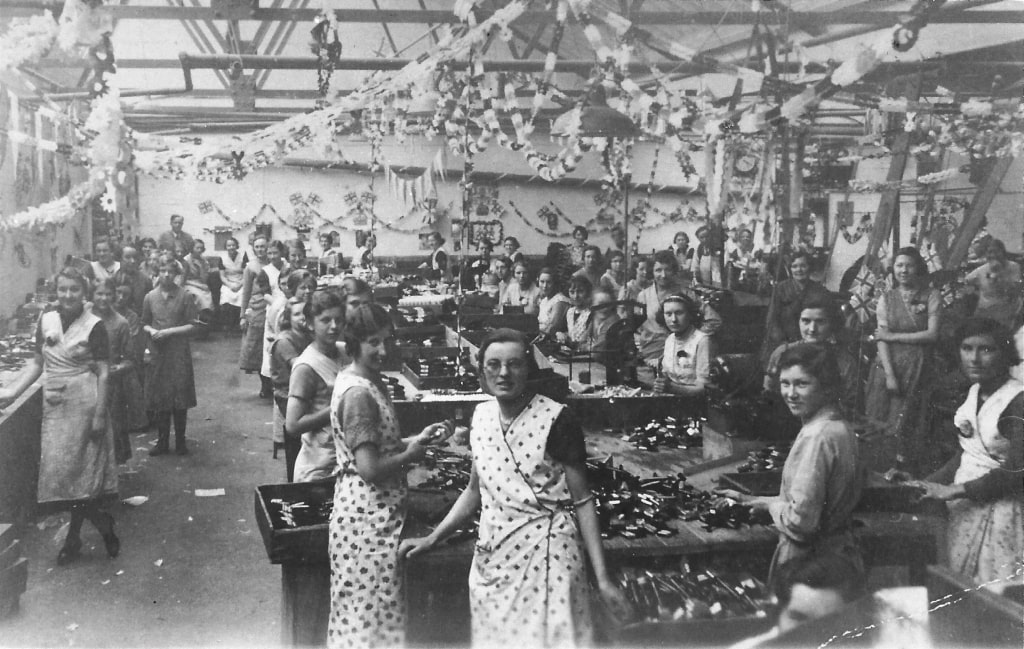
{"x":206,"y":493}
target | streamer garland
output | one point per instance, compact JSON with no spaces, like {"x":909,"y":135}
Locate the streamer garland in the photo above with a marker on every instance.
{"x":103,"y":145}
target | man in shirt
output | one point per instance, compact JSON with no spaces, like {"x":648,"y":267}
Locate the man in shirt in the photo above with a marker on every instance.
{"x":176,"y":239}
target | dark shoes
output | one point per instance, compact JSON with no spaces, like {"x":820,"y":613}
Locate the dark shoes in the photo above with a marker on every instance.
{"x":110,"y":540}
{"x":180,"y":448}
{"x":159,"y":449}
{"x":72,"y":550}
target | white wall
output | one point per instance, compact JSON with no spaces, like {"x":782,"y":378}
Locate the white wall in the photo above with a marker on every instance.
{"x":241,"y":200}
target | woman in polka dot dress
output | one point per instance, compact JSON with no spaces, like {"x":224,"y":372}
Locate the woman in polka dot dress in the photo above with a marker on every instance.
{"x":367,"y":603}
{"x":528,"y":579}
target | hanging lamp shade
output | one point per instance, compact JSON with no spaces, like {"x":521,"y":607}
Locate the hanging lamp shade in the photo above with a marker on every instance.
{"x":597,"y":119}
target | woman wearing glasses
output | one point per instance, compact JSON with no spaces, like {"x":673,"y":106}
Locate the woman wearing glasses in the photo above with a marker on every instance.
{"x":528,"y":579}
{"x":982,"y":484}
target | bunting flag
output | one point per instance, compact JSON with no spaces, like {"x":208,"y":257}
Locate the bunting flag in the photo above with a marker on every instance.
{"x":415,"y":190}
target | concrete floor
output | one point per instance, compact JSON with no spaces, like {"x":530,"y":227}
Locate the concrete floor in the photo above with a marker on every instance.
{"x":214,"y":586}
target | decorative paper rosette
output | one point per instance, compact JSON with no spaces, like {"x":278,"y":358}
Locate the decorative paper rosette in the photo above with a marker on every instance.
{"x":27,"y":40}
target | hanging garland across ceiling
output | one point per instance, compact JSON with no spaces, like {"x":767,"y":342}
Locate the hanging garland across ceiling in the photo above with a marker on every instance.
{"x":389,"y":95}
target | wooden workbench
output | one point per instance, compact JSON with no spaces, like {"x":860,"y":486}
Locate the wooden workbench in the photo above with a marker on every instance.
{"x":437,"y":581}
{"x":20,"y":431}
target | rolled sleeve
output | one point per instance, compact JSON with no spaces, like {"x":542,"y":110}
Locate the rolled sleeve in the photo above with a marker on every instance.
{"x":798,"y":511}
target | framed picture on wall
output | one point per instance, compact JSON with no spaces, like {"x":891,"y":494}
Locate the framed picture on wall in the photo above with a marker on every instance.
{"x":266,"y":230}
{"x":479,"y":230}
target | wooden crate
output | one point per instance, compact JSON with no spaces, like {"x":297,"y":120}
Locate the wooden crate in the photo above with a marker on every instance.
{"x":308,"y":544}
{"x":292,"y":544}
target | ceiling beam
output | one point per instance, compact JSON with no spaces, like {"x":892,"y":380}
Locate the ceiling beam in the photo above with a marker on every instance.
{"x":278,"y":41}
{"x":584,"y":67}
{"x":536,"y":17}
{"x":387,"y":30}
{"x":430,"y":26}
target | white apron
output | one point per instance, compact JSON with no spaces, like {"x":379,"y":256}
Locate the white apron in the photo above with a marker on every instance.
{"x":73,"y":465}
{"x":316,"y":459}
{"x":528,"y":582}
{"x":100,"y":273}
{"x":986,"y":539}
{"x":233,"y":270}
{"x":270,"y":324}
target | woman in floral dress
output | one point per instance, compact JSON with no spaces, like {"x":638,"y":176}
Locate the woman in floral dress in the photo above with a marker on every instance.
{"x":367,"y":603}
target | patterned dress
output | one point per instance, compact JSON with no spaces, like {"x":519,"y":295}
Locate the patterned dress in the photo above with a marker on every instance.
{"x":367,"y":602}
{"x":528,"y":578}
{"x":901,"y":415}
{"x":577,"y":323}
{"x":986,"y":538}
